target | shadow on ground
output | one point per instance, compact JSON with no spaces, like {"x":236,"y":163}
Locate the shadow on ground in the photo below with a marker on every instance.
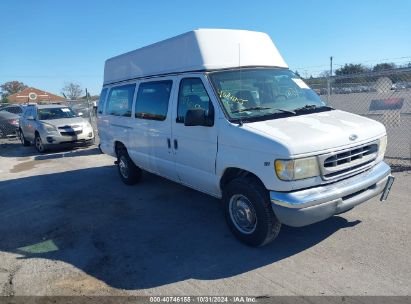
{"x":143,"y":236}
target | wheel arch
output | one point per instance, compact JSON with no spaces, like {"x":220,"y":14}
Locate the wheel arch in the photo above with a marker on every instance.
{"x":119,"y":145}
{"x":234,"y":172}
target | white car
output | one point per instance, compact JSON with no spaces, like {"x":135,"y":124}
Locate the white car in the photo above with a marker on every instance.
{"x":219,"y":111}
{"x":53,"y":125}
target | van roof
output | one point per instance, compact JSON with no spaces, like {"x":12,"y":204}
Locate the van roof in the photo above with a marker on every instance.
{"x":198,"y":50}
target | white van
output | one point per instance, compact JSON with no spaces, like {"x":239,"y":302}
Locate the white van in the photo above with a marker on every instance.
{"x":219,"y":111}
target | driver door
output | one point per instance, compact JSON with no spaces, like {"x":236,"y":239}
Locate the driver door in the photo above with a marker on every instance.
{"x":195,"y":147}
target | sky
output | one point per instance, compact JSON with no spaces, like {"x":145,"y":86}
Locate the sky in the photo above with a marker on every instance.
{"x":46,"y":44}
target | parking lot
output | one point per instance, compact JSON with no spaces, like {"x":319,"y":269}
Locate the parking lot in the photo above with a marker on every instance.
{"x":69,"y":226}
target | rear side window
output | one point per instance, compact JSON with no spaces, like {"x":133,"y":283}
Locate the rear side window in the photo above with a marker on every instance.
{"x":120,"y":100}
{"x":152,"y":100}
{"x":101,"y":101}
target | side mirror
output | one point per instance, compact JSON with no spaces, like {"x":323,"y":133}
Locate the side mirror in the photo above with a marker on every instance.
{"x":195,"y":117}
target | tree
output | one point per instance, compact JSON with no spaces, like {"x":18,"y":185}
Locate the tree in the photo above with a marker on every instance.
{"x":351,"y":68}
{"x":72,"y":91}
{"x":4,"y":100}
{"x":384,"y":66}
{"x":11,"y":87}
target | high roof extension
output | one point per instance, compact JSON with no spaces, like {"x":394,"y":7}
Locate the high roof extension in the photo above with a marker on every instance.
{"x":198,"y":50}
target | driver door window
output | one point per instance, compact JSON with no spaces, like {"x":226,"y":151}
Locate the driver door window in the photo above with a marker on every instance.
{"x":193,"y":95}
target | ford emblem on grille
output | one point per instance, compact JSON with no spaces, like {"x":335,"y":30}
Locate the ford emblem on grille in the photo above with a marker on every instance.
{"x":353,"y":137}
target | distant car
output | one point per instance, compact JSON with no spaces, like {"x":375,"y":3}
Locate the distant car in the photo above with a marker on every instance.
{"x":9,"y":124}
{"x":400,"y":86}
{"x":15,"y":109}
{"x":53,"y":125}
{"x":81,"y":109}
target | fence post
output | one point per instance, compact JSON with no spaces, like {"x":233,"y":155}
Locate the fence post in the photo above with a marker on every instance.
{"x":328,"y":89}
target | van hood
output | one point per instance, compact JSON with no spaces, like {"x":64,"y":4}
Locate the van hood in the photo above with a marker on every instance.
{"x":319,"y":131}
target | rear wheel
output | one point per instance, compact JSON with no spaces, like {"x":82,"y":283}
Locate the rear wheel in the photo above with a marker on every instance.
{"x":23,"y":140}
{"x":249,"y":213}
{"x":39,"y":144}
{"x":130,"y":174}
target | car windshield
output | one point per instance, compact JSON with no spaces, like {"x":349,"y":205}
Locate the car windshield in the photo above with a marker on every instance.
{"x":261,"y":92}
{"x":54,"y":113}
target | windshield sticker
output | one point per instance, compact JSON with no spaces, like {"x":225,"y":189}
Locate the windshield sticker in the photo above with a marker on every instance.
{"x":231,"y":97}
{"x":65,"y":109}
{"x":300,"y":83}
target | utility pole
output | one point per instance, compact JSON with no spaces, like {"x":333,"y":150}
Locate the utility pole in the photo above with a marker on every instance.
{"x":88,"y":106}
{"x":329,"y":88}
{"x":331,"y":66}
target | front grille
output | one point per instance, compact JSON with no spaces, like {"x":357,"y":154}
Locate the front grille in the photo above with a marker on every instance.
{"x":350,"y":155}
{"x":71,"y":133}
{"x":69,"y":127}
{"x":70,"y":130}
{"x":347,"y":161}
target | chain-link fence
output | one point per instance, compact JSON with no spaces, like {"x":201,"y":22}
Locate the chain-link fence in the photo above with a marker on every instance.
{"x":384,"y":96}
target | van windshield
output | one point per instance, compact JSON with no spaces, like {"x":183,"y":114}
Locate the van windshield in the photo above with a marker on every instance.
{"x":256,"y":93}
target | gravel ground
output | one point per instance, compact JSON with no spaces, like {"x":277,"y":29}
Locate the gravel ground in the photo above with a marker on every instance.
{"x":68,"y":226}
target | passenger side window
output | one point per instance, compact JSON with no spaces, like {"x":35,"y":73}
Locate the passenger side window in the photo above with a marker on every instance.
{"x":120,"y":100}
{"x":152,"y":100}
{"x":193,"y":95}
{"x":101,"y":101}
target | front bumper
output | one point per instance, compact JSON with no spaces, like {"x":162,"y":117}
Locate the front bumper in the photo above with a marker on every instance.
{"x":56,"y":138}
{"x":304,"y":207}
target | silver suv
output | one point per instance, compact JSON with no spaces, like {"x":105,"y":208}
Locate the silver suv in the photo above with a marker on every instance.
{"x":52,"y":125}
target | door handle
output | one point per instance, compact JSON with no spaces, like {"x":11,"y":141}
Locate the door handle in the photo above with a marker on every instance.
{"x":175,"y":144}
{"x":169,"y":143}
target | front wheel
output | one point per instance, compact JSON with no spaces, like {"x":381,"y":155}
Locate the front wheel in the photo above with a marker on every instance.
{"x":249,"y":213}
{"x":23,"y":140}
{"x":130,"y":174}
{"x":39,"y":144}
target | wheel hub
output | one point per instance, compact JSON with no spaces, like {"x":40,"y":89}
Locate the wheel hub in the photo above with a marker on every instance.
{"x":123,"y":167}
{"x":243,"y":214}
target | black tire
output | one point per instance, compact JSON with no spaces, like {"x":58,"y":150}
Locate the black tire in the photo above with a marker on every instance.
{"x":130,"y":174}
{"x":40,"y":147}
{"x":23,"y":140}
{"x":248,"y":211}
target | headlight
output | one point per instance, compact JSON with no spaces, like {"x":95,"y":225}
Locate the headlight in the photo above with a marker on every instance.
{"x":49,"y":127}
{"x":294,"y":169}
{"x":382,"y":147}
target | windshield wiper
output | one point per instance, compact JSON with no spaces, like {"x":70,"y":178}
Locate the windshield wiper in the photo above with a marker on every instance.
{"x":312,"y":107}
{"x":263,"y":108}
{"x":250,"y":109}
